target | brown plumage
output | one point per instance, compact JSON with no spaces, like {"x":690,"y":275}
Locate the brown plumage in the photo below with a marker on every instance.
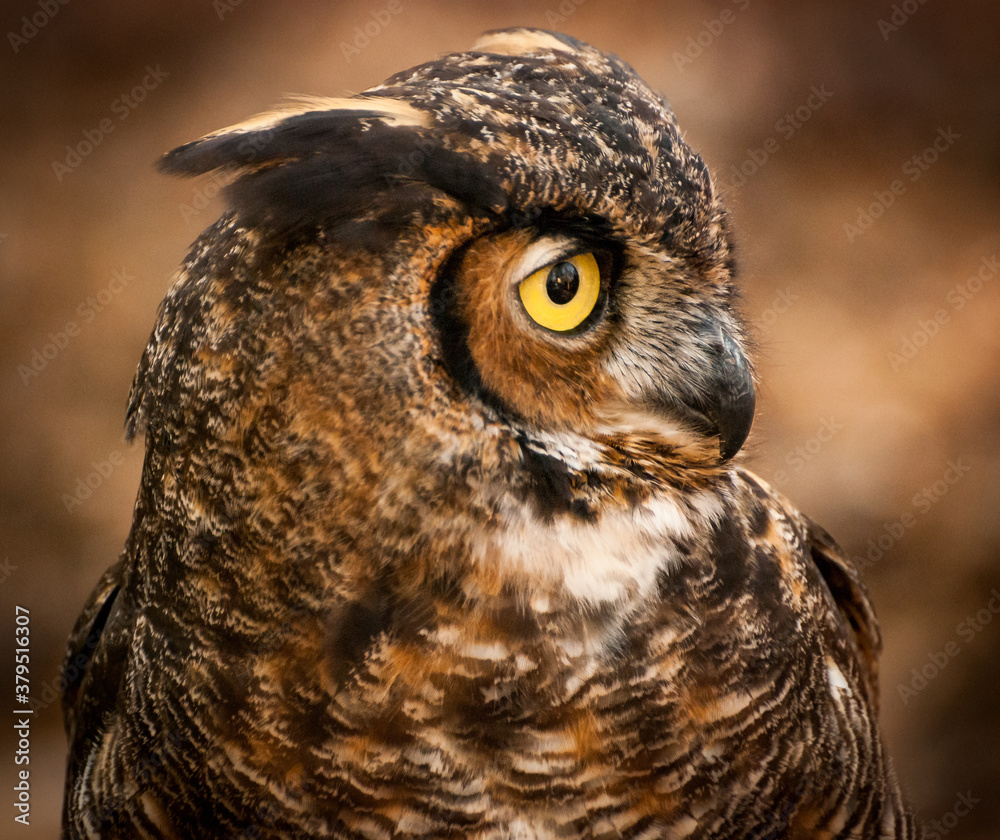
{"x":407,"y":562}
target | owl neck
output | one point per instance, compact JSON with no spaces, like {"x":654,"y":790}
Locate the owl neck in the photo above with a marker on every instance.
{"x":564,"y":524}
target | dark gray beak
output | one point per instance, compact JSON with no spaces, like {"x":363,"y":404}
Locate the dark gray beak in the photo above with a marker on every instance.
{"x":732,"y":411}
{"x":723,"y":404}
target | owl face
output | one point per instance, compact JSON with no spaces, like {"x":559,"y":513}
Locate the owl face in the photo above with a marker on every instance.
{"x":483,"y":292}
{"x":575,"y":331}
{"x":579,"y":280}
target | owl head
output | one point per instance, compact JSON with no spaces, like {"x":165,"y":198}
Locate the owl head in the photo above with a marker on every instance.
{"x":506,"y":251}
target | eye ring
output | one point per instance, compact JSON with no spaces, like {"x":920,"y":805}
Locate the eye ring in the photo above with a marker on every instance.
{"x":561,"y":295}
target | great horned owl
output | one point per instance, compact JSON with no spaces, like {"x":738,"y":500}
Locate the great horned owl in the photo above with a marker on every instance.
{"x":438,"y":533}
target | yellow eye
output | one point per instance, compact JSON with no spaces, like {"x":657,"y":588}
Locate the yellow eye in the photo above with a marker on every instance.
{"x":560,"y":296}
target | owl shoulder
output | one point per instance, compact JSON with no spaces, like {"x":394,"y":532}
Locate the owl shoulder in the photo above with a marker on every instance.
{"x":840,"y":584}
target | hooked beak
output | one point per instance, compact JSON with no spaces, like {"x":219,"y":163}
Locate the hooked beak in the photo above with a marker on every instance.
{"x":733,"y":409}
{"x":723,"y":406}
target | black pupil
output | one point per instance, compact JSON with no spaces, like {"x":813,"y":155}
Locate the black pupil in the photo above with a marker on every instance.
{"x":562,"y":283}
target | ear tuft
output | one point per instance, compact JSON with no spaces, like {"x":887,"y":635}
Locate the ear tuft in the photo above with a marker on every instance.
{"x":321,"y":163}
{"x":288,"y":133}
{"x":524,"y":41}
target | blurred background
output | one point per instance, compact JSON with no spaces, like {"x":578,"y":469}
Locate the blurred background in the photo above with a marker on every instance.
{"x":859,"y":150}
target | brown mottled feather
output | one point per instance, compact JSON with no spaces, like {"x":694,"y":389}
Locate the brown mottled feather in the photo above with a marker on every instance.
{"x":404,"y":563}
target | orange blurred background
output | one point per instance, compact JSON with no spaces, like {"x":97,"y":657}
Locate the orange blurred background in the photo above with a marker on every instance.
{"x":859,"y":149}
